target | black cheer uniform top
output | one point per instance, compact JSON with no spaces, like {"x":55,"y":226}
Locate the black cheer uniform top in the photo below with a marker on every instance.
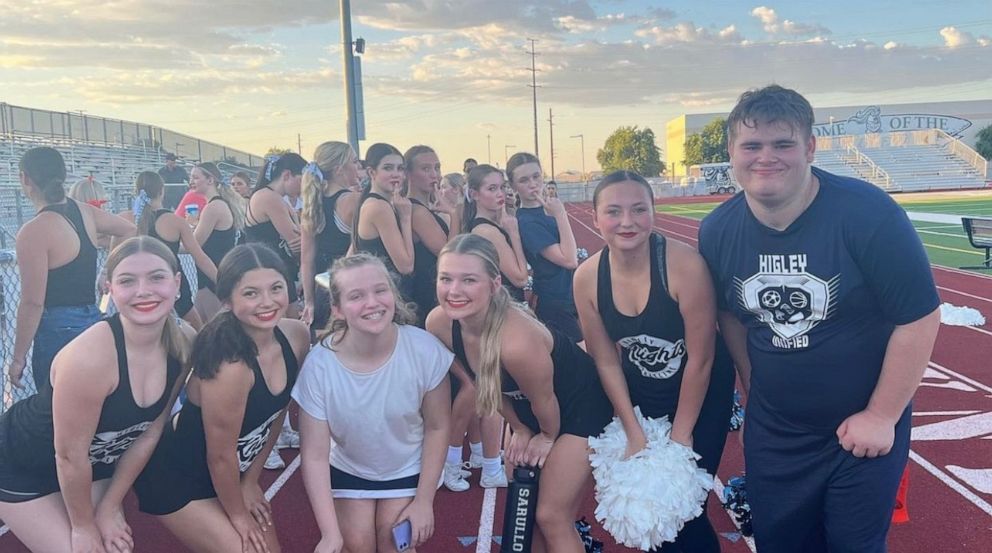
{"x":376,"y":247}
{"x":216,"y":246}
{"x":72,"y":283}
{"x":425,"y":271}
{"x":27,"y":432}
{"x":178,"y":472}
{"x":516,"y":292}
{"x":583,"y":406}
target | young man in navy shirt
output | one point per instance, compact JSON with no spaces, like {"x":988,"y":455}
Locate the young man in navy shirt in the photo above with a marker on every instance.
{"x":829,"y":308}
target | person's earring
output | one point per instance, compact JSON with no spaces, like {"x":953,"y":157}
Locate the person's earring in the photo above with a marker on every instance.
{"x":178,"y":295}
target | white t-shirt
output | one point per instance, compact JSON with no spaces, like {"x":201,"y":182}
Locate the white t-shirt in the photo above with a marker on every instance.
{"x":375,"y":418}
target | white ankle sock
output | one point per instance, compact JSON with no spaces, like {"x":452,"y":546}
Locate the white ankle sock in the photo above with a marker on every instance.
{"x":491,"y":466}
{"x":476,"y":448}
{"x":454,"y":456}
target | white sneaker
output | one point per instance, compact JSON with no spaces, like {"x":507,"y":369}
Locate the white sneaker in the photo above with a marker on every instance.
{"x":463,"y":470}
{"x":497,"y":480}
{"x":474,"y":461}
{"x":274,"y":461}
{"x":288,"y":439}
{"x":453,"y":479}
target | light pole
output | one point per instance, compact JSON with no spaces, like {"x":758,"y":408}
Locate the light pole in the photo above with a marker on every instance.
{"x":582,"y":145}
{"x":506,"y":151}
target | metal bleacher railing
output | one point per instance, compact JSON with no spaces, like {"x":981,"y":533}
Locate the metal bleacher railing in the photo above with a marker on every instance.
{"x":110,"y":150}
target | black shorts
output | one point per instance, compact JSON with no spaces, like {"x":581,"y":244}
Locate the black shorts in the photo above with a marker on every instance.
{"x":185,"y":302}
{"x":164,"y":488}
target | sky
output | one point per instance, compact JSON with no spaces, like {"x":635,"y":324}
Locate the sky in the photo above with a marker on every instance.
{"x":455,"y":74}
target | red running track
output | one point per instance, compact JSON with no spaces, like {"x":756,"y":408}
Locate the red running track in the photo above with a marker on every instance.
{"x":950,"y":496}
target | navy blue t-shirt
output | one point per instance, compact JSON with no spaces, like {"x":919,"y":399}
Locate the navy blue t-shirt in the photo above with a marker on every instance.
{"x":819,"y":299}
{"x":538,"y":230}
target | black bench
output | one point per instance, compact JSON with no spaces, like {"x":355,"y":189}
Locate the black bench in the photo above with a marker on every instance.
{"x":980,"y":235}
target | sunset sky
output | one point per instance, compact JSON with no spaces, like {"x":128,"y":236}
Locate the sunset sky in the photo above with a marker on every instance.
{"x":253,"y":74}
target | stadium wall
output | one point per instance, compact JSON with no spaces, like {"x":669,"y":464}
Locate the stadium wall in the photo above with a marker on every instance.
{"x":961,"y":120}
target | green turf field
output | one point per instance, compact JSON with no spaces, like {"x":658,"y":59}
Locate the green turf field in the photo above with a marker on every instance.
{"x":946,"y":244}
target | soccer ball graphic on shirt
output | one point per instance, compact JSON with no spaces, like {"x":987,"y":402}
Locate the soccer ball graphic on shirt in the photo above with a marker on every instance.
{"x":790,"y":304}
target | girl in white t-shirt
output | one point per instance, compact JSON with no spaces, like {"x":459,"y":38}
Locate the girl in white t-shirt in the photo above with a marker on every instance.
{"x":378,"y":387}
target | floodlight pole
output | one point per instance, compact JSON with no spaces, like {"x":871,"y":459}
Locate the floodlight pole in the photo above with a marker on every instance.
{"x":351,"y":118}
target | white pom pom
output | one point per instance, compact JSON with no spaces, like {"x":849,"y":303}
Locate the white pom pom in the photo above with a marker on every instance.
{"x":645,"y":500}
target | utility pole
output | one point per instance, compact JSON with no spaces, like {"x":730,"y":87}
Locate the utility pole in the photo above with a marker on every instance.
{"x":349,"y":74}
{"x":551,"y":133}
{"x":582,"y":144}
{"x":533,"y":86}
{"x":489,"y":149}
{"x":299,"y":144}
{"x":506,"y":151}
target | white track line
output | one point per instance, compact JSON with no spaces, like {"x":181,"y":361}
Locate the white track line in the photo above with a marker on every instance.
{"x":966,"y":294}
{"x":283,"y":478}
{"x":486,"y":520}
{"x":718,"y":491}
{"x":961,"y":377}
{"x":951,"y":482}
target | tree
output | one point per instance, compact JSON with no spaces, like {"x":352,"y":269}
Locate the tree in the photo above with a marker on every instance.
{"x":709,"y":145}
{"x":631,"y":149}
{"x":277,"y":151}
{"x":984,"y":143}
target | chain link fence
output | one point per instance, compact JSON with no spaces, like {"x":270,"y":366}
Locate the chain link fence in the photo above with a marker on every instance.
{"x":10,"y":295}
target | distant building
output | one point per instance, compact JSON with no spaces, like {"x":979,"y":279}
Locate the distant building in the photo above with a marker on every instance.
{"x":959,"y":119}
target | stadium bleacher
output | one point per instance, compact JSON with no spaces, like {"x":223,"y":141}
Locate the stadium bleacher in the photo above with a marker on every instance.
{"x":905,"y":161}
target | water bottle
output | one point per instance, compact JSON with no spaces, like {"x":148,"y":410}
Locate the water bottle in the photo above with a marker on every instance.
{"x":521,"y":510}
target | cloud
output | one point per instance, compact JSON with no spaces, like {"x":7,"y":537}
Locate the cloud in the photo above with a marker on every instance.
{"x":521,"y":15}
{"x":770,"y":21}
{"x":686,"y":32}
{"x":955,"y":38}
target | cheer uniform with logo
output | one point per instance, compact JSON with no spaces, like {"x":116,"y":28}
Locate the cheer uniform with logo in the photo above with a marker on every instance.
{"x":582,"y":404}
{"x":820,"y":300}
{"x":653,"y":358}
{"x":27,"y":431}
{"x":552,"y":283}
{"x":178,"y":473}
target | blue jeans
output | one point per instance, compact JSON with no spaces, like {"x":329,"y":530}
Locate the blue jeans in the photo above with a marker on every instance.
{"x":58,"y":326}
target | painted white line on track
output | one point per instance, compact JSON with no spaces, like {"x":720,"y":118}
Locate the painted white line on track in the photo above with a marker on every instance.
{"x":943,"y":413}
{"x":960,"y":272}
{"x":486,"y":520}
{"x":962,"y":377}
{"x":951,"y":482}
{"x":718,"y":491}
{"x":966,"y":294}
{"x":283,"y":478}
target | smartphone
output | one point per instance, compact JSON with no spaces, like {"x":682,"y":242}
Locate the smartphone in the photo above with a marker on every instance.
{"x":403,"y":535}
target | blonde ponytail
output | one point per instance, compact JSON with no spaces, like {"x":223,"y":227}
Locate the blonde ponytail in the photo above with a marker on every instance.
{"x":490,"y":382}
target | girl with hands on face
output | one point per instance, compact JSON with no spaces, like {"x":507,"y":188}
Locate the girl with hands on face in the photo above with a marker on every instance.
{"x":202,"y":481}
{"x":540,"y":381}
{"x":378,"y":387}
{"x":383,"y":224}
